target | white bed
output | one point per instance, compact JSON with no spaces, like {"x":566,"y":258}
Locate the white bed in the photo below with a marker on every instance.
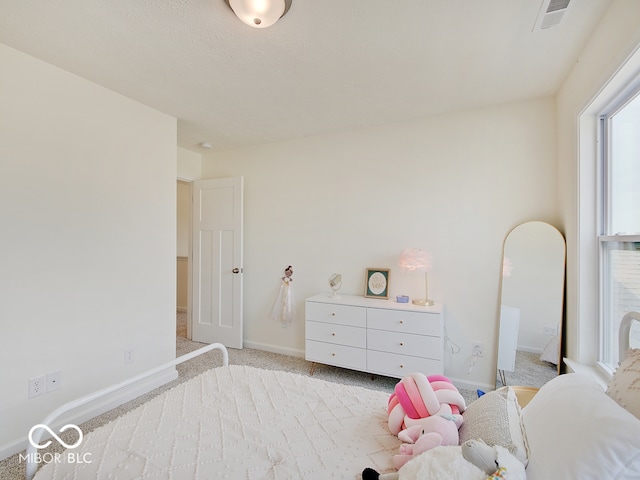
{"x":240,"y":422}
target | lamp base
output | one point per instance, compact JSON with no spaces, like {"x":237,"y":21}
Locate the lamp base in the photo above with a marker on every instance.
{"x":422,"y":302}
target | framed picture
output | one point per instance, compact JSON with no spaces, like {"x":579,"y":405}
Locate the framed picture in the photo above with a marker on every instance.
{"x":377,"y":283}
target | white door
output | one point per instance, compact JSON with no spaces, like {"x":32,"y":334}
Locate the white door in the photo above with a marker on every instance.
{"x":217,"y":261}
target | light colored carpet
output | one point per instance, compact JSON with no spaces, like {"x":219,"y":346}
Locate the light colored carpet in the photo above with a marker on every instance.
{"x":530,"y":371}
{"x":181,"y":324}
{"x":12,"y":469}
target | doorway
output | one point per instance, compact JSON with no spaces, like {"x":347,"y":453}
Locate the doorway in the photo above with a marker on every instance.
{"x":216,"y":261}
{"x":183,"y":242}
{"x":209,"y":261}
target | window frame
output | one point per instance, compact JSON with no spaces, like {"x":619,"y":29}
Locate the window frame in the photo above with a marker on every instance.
{"x":605,"y":236}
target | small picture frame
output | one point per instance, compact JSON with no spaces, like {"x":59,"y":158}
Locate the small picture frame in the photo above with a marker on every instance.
{"x":377,"y":283}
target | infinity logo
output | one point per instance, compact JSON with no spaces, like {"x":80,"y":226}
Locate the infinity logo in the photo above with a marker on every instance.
{"x":52,"y":433}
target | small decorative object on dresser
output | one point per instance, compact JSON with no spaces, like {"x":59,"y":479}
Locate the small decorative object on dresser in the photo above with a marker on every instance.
{"x":417,"y":260}
{"x":377,"y":283}
{"x":335,"y":282}
{"x":373,"y":335}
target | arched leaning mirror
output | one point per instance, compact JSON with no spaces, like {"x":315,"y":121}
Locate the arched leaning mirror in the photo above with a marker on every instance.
{"x":531,"y":305}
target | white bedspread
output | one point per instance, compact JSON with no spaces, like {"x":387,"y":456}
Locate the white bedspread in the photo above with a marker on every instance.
{"x":240,"y":422}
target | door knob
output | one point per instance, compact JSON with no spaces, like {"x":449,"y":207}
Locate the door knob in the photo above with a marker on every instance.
{"x":236,"y":270}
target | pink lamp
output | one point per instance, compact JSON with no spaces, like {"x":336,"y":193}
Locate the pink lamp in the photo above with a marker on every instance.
{"x":417,"y":260}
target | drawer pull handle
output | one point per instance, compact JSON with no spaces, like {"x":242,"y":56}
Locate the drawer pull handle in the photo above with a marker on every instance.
{"x":333,"y":314}
{"x":401,"y":322}
{"x":333,"y":354}
{"x":333,"y":334}
{"x":401,"y":344}
{"x":401,"y":366}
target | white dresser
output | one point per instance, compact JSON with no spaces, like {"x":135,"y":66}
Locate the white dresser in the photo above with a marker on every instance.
{"x":374,"y":335}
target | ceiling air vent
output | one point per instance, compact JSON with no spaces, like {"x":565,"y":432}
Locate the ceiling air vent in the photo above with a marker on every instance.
{"x":551,"y":13}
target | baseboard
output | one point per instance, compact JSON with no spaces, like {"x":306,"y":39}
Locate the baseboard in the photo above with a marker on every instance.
{"x":525,"y":348}
{"x":465,"y":384}
{"x":89,"y":411}
{"x":267,"y":347}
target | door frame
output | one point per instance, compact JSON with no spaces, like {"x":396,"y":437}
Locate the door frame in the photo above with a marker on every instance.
{"x":229,"y":334}
{"x":188,"y":182}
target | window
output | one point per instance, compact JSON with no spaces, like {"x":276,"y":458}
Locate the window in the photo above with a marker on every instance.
{"x":619,"y":221}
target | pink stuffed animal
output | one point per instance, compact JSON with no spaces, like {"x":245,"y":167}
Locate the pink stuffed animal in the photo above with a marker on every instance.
{"x":417,"y":396}
{"x":427,"y":433}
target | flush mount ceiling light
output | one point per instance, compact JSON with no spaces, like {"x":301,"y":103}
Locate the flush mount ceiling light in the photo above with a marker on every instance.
{"x":259,"y":13}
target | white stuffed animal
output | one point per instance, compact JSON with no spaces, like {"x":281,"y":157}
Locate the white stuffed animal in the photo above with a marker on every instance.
{"x":474,"y":460}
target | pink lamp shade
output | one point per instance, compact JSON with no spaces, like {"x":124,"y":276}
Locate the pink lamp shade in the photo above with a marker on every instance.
{"x":507,"y":267}
{"x":415,"y":260}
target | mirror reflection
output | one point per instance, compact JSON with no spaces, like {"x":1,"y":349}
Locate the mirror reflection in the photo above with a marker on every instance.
{"x":531,"y":305}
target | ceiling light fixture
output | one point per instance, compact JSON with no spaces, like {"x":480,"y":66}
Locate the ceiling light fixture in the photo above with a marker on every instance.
{"x":259,"y":13}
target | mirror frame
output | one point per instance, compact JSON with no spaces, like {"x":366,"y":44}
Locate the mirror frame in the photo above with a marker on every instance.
{"x":558,"y":308}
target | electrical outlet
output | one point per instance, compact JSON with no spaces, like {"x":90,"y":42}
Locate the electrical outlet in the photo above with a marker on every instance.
{"x":37,"y":386}
{"x":477,"y":349}
{"x":53,"y":381}
{"x":129,"y":355}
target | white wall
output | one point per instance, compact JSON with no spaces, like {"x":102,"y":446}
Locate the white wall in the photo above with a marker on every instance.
{"x":189,"y":165}
{"x":615,"y":39}
{"x":87,"y":205}
{"x":453,"y":184}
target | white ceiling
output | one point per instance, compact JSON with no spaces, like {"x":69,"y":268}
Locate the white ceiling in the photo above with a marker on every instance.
{"x":328,"y":65}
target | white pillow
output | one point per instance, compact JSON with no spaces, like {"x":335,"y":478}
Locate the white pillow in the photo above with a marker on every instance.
{"x":494,"y":418}
{"x":624,"y":386}
{"x":574,"y":430}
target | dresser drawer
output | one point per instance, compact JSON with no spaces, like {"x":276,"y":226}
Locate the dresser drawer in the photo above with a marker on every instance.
{"x":338,"y":355}
{"x":339,"y":334}
{"x":404,"y":343}
{"x":398,"y":366}
{"x":408,"y":322}
{"x":340,"y":314}
{"x":373,"y":335}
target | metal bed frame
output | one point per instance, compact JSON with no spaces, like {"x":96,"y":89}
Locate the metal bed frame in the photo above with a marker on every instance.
{"x":625,"y":329}
{"x":32,"y":465}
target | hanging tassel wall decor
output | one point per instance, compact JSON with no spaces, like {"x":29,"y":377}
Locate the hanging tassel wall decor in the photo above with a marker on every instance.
{"x":283,"y":307}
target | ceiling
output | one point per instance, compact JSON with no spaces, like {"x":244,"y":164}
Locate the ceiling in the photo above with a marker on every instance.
{"x":328,"y":65}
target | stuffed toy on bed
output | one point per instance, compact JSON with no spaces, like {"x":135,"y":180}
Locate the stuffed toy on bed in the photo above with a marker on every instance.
{"x":417,"y":396}
{"x":430,"y":432}
{"x":474,"y":460}
{"x":425,"y":413}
